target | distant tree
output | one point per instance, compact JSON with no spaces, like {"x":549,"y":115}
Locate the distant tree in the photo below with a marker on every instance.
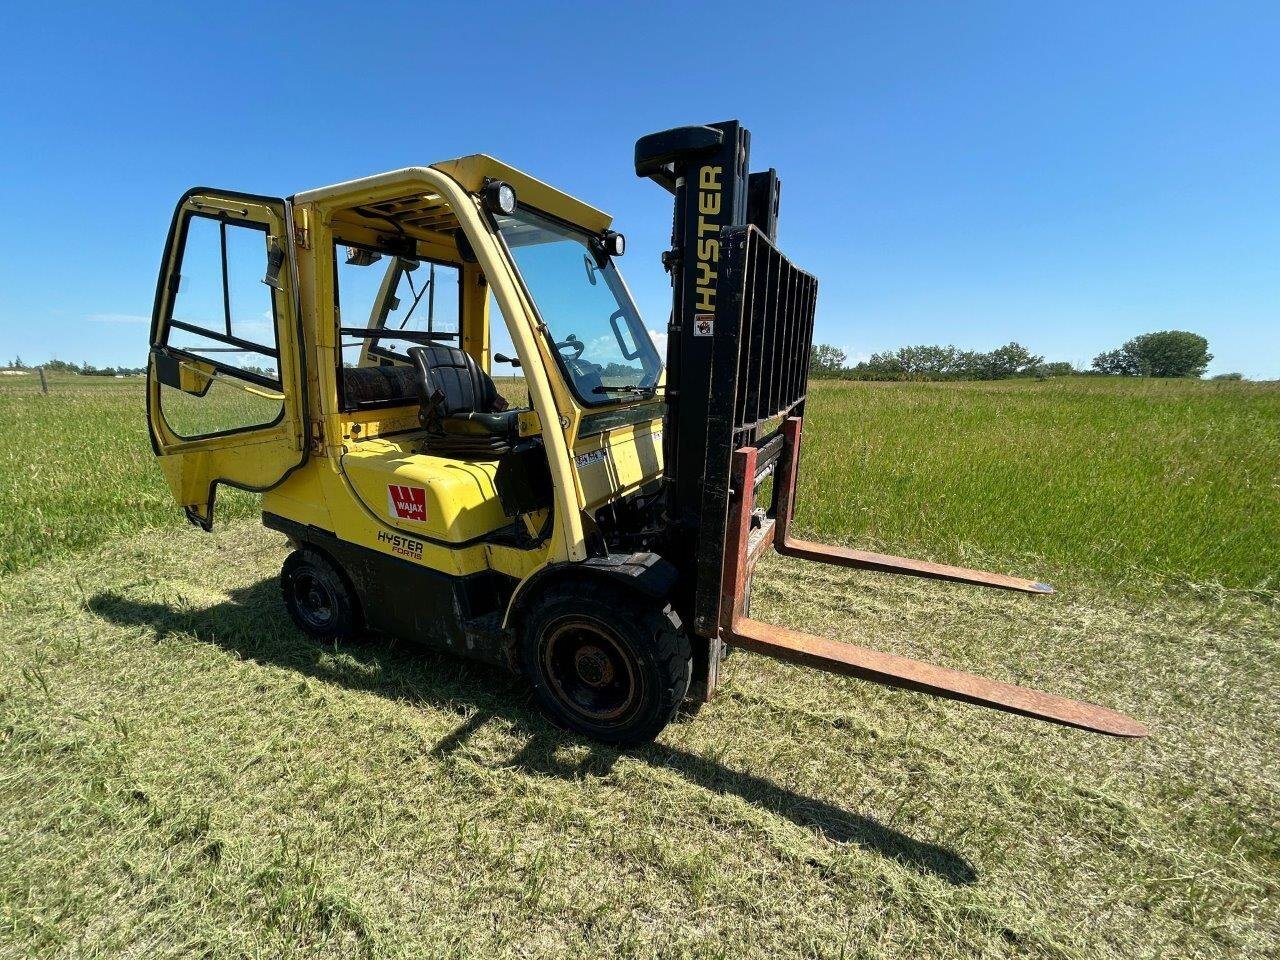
{"x":18,"y":364}
{"x":1117,"y":363}
{"x":928,"y":362}
{"x":950,"y":363}
{"x":883,"y":366}
{"x":1228,"y":376}
{"x":826,"y":360}
{"x":1011,"y":360}
{"x":1171,"y":353}
{"x":1168,"y":353}
{"x":1059,"y":368}
{"x":622,"y":371}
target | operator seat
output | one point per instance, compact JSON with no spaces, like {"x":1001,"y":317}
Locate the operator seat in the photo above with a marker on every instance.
{"x":462,"y":411}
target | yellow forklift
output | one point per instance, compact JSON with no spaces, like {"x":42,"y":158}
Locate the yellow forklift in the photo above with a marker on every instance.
{"x":440,"y":385}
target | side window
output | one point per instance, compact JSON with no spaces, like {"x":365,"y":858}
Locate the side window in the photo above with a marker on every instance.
{"x":222,"y":333}
{"x":508,"y":377}
{"x":382,"y":292}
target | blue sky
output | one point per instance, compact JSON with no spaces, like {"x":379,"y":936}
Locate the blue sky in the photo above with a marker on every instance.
{"x":1065,"y":175}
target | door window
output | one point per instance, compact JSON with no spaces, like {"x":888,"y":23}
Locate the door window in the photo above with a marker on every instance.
{"x":221,"y":336}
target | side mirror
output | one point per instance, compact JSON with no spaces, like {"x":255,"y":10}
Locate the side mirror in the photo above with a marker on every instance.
{"x":189,"y":376}
{"x":275,"y":260}
{"x":358,"y":257}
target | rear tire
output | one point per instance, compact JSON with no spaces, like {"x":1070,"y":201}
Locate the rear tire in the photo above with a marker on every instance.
{"x":318,"y":596}
{"x":605,"y":663}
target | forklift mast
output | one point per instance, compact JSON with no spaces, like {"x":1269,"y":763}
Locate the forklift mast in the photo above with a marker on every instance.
{"x":738,"y":351}
{"x":738,"y":342}
{"x":706,"y":169}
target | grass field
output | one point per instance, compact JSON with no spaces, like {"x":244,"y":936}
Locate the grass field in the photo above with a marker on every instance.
{"x":1174,"y":480}
{"x":183,"y":774}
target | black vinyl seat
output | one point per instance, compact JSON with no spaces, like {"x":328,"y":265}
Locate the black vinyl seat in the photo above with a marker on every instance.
{"x":462,"y":411}
{"x":382,"y":384}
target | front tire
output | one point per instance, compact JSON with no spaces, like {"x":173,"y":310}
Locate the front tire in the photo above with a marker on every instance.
{"x":605,"y":663}
{"x":318,"y":596}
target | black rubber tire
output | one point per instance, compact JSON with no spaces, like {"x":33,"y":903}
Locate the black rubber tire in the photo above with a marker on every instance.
{"x":318,"y":596}
{"x":631,"y":662}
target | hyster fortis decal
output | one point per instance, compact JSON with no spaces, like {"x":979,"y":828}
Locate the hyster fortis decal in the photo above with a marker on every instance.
{"x":404,"y":546}
{"x":407,"y":503}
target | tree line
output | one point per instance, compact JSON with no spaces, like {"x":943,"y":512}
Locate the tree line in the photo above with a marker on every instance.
{"x":84,"y":369}
{"x":1168,"y":353}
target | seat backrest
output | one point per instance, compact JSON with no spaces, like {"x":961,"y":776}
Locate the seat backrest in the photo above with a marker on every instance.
{"x":453,"y":382}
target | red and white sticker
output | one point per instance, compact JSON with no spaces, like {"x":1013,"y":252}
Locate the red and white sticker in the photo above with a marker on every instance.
{"x":704,"y":324}
{"x":407,"y":503}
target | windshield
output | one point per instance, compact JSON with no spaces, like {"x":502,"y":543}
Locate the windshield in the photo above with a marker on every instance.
{"x":603,"y":347}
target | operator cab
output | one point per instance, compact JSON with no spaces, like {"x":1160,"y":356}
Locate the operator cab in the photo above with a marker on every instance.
{"x":430,"y":370}
{"x":392,"y":337}
{"x":404,"y":270}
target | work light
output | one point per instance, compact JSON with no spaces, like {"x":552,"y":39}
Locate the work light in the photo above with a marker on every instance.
{"x":499,"y":197}
{"x":615,"y":244}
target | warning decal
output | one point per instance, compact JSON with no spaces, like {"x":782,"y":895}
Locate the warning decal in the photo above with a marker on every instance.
{"x":407,"y":503}
{"x":595,"y":456}
{"x":704,"y":324}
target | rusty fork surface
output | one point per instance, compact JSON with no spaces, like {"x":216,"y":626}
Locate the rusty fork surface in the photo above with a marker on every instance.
{"x":746,"y":541}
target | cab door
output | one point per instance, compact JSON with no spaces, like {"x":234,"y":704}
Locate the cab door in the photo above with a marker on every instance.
{"x":225,"y":375}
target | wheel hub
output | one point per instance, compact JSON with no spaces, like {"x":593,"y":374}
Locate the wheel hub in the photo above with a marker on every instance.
{"x":589,"y":671}
{"x":314,"y":602}
{"x":593,"y":666}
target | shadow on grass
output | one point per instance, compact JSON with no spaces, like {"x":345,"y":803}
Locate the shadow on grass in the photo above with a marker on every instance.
{"x":254,"y":625}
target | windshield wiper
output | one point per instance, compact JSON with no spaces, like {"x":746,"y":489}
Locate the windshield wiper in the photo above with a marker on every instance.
{"x":639,"y":391}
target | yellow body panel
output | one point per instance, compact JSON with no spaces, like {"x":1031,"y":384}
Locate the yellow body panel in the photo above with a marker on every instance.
{"x":460,"y":501}
{"x":472,"y":172}
{"x":618,"y":462}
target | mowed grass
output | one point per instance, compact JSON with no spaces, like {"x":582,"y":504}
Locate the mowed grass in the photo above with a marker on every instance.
{"x":182,"y":774}
{"x":1128,"y":482}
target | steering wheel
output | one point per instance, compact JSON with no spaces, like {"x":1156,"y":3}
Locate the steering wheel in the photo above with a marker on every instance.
{"x":574,"y":344}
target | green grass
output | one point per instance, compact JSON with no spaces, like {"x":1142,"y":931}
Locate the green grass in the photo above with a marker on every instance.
{"x":183,"y":775}
{"x":76,"y":470}
{"x":1117,"y":480}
